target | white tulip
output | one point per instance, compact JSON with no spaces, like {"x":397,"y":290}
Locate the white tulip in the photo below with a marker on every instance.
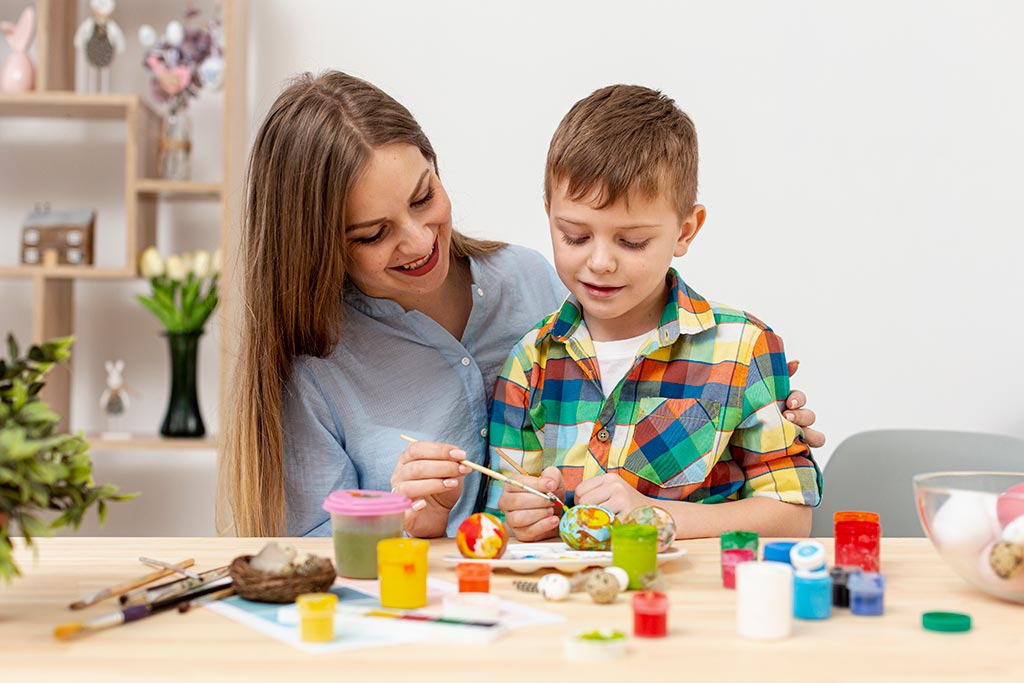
{"x":151,"y":265}
{"x":176,"y":268}
{"x":201,"y":264}
{"x":187,"y":260}
{"x":215,"y":263}
{"x":175,"y":33}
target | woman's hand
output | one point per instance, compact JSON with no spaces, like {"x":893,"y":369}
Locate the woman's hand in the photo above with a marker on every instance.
{"x":798,"y":415}
{"x":527,"y":515}
{"x":430,"y":474}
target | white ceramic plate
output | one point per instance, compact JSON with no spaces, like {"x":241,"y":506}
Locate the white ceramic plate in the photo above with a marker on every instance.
{"x":526,"y":558}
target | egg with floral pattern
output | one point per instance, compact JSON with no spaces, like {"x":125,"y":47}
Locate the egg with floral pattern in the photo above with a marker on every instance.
{"x":587,"y":527}
{"x":482,"y":537}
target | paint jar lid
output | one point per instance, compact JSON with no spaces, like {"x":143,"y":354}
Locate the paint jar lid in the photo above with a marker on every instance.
{"x":739,"y":539}
{"x":595,"y":645}
{"x":855,"y":516}
{"x":485,"y":607}
{"x":946,"y":622}
{"x":360,"y":503}
{"x":778,"y":551}
{"x":650,"y":602}
{"x":866,"y":583}
{"x":807,"y":556}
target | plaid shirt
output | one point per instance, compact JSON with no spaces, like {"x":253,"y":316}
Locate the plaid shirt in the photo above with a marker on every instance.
{"x":698,"y":417}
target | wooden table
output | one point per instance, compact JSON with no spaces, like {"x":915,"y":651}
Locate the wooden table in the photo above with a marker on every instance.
{"x":703,"y":645}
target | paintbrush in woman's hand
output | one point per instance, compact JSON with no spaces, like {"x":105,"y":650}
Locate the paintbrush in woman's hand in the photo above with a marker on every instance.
{"x":505,"y":479}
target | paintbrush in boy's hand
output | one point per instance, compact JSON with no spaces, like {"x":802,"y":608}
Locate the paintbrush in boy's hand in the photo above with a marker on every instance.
{"x":551,"y":497}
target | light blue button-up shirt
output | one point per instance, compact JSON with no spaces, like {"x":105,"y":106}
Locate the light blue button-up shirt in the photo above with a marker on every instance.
{"x":398,"y":372}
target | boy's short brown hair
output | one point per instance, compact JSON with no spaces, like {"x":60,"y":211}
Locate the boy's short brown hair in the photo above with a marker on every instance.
{"x":623,"y":139}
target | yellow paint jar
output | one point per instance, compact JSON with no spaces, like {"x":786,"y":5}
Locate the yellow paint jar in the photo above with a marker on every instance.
{"x":402,"y":565}
{"x":316,"y":616}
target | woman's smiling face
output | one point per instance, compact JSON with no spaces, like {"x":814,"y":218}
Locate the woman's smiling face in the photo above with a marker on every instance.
{"x":398,"y":226}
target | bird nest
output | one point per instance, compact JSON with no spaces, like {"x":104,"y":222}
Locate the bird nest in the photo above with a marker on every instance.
{"x":315,"y":575}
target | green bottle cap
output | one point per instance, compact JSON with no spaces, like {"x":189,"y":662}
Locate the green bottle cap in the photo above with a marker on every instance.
{"x":946,"y":622}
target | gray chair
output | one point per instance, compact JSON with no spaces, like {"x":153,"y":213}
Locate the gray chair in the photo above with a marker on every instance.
{"x":874,"y":471}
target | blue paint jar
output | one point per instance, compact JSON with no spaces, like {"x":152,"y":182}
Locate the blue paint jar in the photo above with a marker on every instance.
{"x":812,"y":595}
{"x":778,"y":551}
{"x":867,"y":593}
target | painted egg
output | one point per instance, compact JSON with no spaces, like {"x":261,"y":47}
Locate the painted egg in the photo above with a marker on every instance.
{"x":587,"y":527}
{"x":482,"y":537}
{"x":1010,"y":505}
{"x":657,"y":517}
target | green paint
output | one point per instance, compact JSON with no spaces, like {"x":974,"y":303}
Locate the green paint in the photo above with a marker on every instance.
{"x":355,"y":552}
{"x":635,"y":549}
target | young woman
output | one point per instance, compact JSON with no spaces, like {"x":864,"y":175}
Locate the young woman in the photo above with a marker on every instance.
{"x":366,"y":316}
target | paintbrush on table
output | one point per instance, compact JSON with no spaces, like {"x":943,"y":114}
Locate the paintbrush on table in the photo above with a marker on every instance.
{"x":160,"y":564}
{"x":127,"y":586}
{"x":135,"y":612}
{"x":171,"y":588}
{"x":505,"y":479}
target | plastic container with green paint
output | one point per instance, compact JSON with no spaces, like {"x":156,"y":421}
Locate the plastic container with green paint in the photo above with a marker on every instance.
{"x":635,"y":549}
{"x":360,"y":519}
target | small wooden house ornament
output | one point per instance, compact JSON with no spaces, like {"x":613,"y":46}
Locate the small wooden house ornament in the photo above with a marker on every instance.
{"x":58,"y":237}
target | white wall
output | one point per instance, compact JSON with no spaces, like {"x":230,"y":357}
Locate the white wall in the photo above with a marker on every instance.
{"x":860,"y":163}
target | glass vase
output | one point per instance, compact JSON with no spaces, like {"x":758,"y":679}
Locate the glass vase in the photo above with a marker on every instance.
{"x":175,"y":157}
{"x":183,"y":418}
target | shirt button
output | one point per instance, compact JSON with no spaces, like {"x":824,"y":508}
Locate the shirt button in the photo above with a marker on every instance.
{"x":479,"y":291}
{"x":483,"y":432}
{"x":466,"y":361}
{"x":602,"y":435}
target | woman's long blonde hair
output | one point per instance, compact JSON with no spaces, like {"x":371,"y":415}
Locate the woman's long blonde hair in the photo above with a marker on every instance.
{"x":307,"y":155}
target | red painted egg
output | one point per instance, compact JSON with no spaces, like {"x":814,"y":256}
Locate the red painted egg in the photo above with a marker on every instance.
{"x":482,"y":537}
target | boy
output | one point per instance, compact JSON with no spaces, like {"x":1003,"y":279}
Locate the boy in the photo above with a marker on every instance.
{"x":637,"y":390}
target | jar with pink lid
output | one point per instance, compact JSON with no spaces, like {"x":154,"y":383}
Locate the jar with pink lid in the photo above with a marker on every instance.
{"x":359,"y":519}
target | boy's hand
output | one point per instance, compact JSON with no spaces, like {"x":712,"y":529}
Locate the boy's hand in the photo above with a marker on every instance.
{"x":804,"y":418}
{"x":430,"y":475}
{"x":527,"y":515}
{"x":610,"y":491}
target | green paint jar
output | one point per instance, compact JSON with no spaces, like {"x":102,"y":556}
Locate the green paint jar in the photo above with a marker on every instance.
{"x":635,"y":549}
{"x":360,"y":520}
{"x":742,"y":540}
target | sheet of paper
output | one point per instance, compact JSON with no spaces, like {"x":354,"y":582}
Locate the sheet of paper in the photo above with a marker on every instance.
{"x":352,"y":632}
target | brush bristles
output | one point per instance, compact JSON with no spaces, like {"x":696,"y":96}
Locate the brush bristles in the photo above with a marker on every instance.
{"x":65,"y":631}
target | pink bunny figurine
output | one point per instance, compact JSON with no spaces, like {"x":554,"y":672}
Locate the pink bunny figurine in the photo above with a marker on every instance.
{"x":18,"y":74}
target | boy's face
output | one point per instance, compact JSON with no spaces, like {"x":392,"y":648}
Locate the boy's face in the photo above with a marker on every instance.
{"x":614,"y":259}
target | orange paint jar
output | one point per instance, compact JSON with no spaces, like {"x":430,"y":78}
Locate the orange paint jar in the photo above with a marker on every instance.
{"x":473,"y":577}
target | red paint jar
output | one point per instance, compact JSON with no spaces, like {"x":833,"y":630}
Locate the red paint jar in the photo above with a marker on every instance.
{"x":732,"y":557}
{"x":473,"y":577}
{"x":650,"y":614}
{"x":858,"y":537}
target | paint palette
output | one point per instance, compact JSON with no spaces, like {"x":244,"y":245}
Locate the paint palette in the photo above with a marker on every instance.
{"x":526,"y":558}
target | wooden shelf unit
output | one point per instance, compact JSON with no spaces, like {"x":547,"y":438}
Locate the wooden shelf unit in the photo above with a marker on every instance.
{"x":54,"y":98}
{"x":144,"y":442}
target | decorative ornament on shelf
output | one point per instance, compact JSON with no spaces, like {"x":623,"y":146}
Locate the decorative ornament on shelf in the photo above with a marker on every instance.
{"x":40,"y":470}
{"x":114,"y":401}
{"x":184,"y":294}
{"x":18,"y":74}
{"x":186,"y":59}
{"x":99,"y":39}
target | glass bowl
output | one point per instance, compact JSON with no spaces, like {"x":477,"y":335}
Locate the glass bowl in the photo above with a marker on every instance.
{"x":976,"y":522}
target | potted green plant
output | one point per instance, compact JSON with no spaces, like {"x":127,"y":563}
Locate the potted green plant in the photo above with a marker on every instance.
{"x":40,"y":470}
